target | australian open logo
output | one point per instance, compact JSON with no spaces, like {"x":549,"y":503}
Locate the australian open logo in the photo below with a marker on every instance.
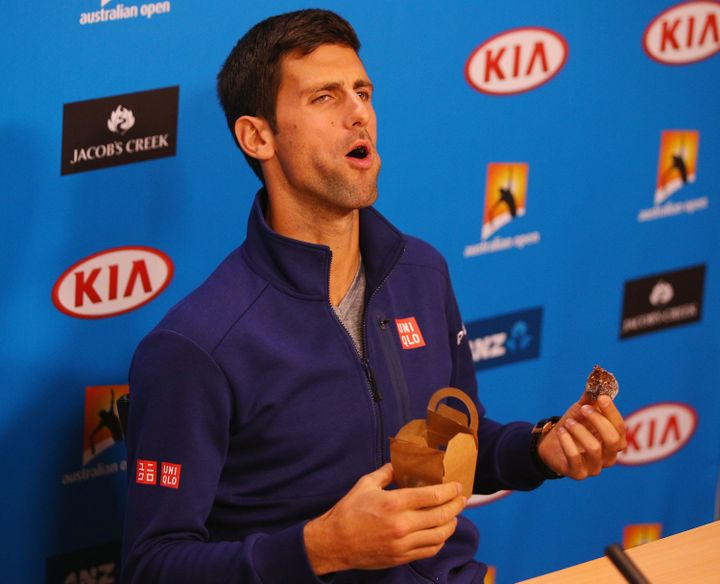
{"x":676,"y":172}
{"x":109,"y":11}
{"x":505,"y":204}
{"x":102,"y":434}
{"x":505,"y":338}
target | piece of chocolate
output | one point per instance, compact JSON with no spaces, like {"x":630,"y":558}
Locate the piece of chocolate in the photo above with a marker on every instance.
{"x":601,"y":382}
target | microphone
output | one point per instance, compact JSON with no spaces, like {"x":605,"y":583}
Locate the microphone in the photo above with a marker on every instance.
{"x":625,"y":565}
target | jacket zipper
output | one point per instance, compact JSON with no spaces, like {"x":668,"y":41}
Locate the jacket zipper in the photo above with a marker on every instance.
{"x":397,"y":376}
{"x":374,"y":392}
{"x":375,"y":395}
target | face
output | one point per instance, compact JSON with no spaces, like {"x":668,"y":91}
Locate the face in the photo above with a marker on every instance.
{"x":325,"y":153}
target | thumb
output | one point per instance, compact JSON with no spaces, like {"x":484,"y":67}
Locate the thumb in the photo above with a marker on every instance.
{"x":586,"y":399}
{"x":380,"y":478}
{"x":574,"y":410}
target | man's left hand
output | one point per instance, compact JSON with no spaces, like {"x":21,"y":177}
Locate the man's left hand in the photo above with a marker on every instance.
{"x":585,"y":440}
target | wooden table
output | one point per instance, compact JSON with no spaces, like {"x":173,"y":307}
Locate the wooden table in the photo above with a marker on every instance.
{"x":689,"y":557}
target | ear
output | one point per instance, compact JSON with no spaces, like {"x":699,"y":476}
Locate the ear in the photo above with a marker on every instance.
{"x":255,"y":137}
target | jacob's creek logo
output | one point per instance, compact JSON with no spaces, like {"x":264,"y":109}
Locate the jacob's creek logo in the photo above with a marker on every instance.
{"x":685,"y":33}
{"x":505,"y":201}
{"x":677,"y":168}
{"x":516,"y":60}
{"x":119,"y":11}
{"x":118,"y":130}
{"x":505,"y":338}
{"x":112,"y":282}
{"x":661,"y":301}
{"x":640,"y":533}
{"x":657,"y":431}
{"x":101,"y":431}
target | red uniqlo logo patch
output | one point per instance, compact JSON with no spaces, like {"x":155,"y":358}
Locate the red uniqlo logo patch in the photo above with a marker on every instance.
{"x":170,"y":475}
{"x":409,"y":331}
{"x":146,"y":473}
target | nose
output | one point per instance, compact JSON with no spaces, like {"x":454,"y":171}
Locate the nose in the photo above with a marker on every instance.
{"x":360,"y":111}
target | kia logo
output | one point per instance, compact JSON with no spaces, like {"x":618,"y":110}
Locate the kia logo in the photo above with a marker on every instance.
{"x":657,"y":431}
{"x":685,"y":33}
{"x":516,"y":60}
{"x":112,"y":282}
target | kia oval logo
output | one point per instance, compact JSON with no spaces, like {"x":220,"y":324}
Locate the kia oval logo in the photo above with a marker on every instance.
{"x":516,"y":60}
{"x":112,"y":282}
{"x":684,"y":33}
{"x":657,"y":431}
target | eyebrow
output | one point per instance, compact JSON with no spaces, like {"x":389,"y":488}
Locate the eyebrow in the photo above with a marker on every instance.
{"x":334,"y":85}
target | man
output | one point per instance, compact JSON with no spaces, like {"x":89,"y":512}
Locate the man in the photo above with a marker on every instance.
{"x":263,"y":402}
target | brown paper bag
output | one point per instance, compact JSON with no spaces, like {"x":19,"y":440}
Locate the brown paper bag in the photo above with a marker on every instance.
{"x":440,"y":449}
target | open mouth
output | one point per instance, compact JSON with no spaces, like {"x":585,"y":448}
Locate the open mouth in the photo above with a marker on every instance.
{"x":360,"y":152}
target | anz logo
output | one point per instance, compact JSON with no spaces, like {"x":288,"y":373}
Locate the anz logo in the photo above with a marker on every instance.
{"x":505,"y":338}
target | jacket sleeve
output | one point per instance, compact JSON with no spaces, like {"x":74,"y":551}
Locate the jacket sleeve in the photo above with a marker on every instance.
{"x":181,"y":412}
{"x":504,"y":460}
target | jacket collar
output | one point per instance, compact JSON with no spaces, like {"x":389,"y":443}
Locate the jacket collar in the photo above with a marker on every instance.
{"x":303,"y":269}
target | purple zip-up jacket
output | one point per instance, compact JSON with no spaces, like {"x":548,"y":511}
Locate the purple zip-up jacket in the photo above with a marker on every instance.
{"x":259,"y":413}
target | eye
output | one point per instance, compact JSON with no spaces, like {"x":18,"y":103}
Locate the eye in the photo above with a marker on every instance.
{"x":364,"y":95}
{"x":321,"y":98}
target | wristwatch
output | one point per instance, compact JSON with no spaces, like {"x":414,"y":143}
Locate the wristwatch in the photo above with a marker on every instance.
{"x":538,"y":431}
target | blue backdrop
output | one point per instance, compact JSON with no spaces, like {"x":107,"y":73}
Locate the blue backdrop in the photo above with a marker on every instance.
{"x":605,"y":94}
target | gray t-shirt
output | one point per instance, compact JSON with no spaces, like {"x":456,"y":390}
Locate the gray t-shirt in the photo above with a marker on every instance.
{"x":351,"y":308}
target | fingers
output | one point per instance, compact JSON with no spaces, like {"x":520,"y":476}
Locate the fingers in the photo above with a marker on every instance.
{"x":582,"y":450}
{"x":606,"y":430}
{"x":611,"y":413}
{"x":379,"y":478}
{"x":432,"y":517}
{"x":430,"y":539}
{"x":422,"y":497}
{"x":593,"y":444}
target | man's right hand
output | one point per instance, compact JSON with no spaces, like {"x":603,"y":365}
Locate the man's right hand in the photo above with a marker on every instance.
{"x":371,"y":528}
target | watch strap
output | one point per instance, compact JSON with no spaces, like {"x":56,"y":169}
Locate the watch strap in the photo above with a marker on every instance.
{"x":539,"y":430}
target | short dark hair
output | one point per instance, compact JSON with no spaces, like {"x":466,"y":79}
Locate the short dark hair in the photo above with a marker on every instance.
{"x":249,"y":80}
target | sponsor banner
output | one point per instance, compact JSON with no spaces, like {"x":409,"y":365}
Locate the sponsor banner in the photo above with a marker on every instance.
{"x":99,"y":564}
{"x":120,"y":129}
{"x":112,"y":282}
{"x":685,"y":33}
{"x":506,"y":186}
{"x":640,"y":533}
{"x":110,"y":11}
{"x":516,"y":61}
{"x":657,"y":431}
{"x":662,"y":301}
{"x":505,"y":338}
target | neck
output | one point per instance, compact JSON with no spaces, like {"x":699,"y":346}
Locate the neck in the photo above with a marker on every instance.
{"x":337,"y":229}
